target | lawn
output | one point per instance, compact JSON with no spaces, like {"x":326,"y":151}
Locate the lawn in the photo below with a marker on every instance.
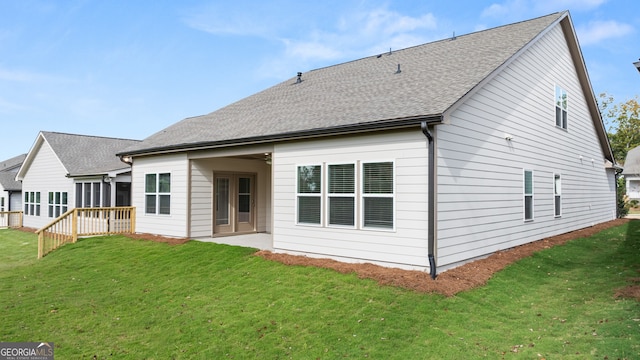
{"x":118,"y":298}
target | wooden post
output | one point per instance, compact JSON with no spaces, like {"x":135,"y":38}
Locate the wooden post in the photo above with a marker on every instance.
{"x":40,"y":244}
{"x":74,"y":226}
{"x":132,"y":219}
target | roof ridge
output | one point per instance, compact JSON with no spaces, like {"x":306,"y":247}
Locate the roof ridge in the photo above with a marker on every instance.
{"x":88,"y":136}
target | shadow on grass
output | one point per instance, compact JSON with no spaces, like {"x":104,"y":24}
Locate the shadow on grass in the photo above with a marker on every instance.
{"x":629,"y":255}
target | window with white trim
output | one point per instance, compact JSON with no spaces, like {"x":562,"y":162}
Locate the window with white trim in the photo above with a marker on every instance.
{"x":32,"y":203}
{"x":528,"y":195}
{"x":1,"y":203}
{"x":561,"y":107}
{"x":158,"y":194}
{"x":309,"y":194}
{"x":93,"y":194}
{"x":557,"y":195}
{"x":57,"y":203}
{"x":377,"y":195}
{"x":341,"y":194}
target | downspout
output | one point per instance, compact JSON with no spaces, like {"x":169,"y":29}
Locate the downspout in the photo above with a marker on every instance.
{"x":432,"y":201}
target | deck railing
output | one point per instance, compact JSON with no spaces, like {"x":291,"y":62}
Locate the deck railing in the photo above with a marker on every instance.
{"x":85,"y":222}
{"x":10,"y":219}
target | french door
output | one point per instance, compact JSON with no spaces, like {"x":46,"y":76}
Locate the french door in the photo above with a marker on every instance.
{"x":233,"y":203}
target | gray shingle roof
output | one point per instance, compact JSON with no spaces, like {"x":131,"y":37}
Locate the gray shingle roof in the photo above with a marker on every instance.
{"x":632,"y":162}
{"x":8,"y":181}
{"x":12,"y":164}
{"x":433,"y":77}
{"x":88,"y":155}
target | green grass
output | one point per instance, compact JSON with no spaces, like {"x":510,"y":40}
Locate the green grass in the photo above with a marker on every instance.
{"x":117,"y":298}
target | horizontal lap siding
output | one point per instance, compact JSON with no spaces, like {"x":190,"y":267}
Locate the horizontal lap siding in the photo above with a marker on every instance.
{"x":480,"y":174}
{"x":45,"y":174}
{"x":174,"y":224}
{"x":201,"y":199}
{"x":405,"y":246}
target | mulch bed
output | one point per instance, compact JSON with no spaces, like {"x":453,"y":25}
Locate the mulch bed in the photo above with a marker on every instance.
{"x":453,"y":281}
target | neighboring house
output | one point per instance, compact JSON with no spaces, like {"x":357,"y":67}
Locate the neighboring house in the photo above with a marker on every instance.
{"x":427,"y":156}
{"x":10,"y":189}
{"x":631,"y":173}
{"x":65,"y":171}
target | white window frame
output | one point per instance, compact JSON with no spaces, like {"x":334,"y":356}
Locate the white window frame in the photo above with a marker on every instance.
{"x":364,"y":196}
{"x":157,"y":194}
{"x":57,"y":205}
{"x":32,"y":203}
{"x":525,"y":195}
{"x":330,"y":195}
{"x":319,"y":195}
{"x":562,"y":106}
{"x":2,"y":203}
{"x":557,"y":195}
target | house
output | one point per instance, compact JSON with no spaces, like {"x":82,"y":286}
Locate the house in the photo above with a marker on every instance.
{"x":10,"y":189}
{"x":417,"y":158}
{"x":631,"y":173}
{"x":63,"y":171}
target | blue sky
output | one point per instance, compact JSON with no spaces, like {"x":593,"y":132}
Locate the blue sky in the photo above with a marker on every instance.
{"x":130,"y":68}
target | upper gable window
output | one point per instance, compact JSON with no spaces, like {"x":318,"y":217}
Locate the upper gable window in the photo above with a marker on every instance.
{"x":561,"y":107}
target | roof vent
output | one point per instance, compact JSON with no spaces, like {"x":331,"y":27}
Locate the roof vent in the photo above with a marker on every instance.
{"x":398,"y":71}
{"x":454,"y":36}
{"x":299,"y":80}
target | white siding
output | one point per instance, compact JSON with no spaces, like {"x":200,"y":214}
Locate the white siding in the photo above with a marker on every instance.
{"x":480,"y":173}
{"x":45,"y":174}
{"x":174,"y":224}
{"x":406,"y":246}
{"x":202,"y":172}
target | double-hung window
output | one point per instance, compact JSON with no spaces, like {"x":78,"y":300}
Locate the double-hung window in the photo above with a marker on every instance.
{"x":309,"y":194}
{"x":32,"y":203}
{"x":341,"y":194}
{"x":1,"y":203}
{"x":557,"y":195}
{"x":57,"y":203}
{"x":528,"y":195}
{"x":561,"y":108}
{"x":158,"y":193}
{"x":377,"y":195}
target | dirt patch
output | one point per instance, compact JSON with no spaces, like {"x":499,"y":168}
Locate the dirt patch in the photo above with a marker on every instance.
{"x":157,"y":238}
{"x":450,"y":282}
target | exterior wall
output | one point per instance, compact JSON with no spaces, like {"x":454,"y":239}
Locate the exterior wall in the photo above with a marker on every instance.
{"x":633,"y":187}
{"x":174,"y":224}
{"x":45,"y":174}
{"x":405,"y":246}
{"x":15,"y":201}
{"x":202,"y":172}
{"x":480,"y":173}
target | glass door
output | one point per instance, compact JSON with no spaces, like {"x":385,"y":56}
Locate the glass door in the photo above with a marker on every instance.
{"x":234,"y":203}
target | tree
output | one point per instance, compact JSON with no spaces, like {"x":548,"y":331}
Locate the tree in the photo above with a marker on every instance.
{"x":623,"y":124}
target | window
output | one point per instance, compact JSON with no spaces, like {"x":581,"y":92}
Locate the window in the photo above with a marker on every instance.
{"x":341,"y":194}
{"x":309,"y":194}
{"x":158,"y":193}
{"x":528,"y":195}
{"x":32,"y":203}
{"x":557,"y":195}
{"x":1,"y":203}
{"x":377,"y":195}
{"x":561,"y":108}
{"x":57,"y":203}
{"x":88,"y":194}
